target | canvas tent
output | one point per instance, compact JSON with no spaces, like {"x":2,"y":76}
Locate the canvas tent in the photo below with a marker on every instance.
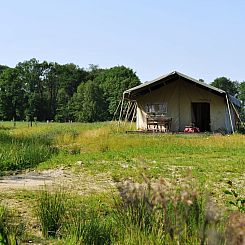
{"x":186,"y":101}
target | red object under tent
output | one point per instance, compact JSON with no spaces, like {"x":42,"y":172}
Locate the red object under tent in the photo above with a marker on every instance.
{"x":191,"y":129}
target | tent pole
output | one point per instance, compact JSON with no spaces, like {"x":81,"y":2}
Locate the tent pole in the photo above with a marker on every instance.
{"x":237,"y":113}
{"x":229,"y":111}
{"x":124,"y":112}
{"x":134,"y":111}
{"x":120,"y":115}
{"x":127,"y":113}
{"x":131,"y":108}
{"x":114,"y":116}
{"x":179,"y":100}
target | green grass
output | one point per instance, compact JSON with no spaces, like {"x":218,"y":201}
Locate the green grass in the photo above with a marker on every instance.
{"x":22,"y":152}
{"x":105,"y":148}
{"x":212,"y":159}
{"x":51,"y":211}
{"x":11,"y":227}
{"x":102,"y":148}
{"x":151,"y":212}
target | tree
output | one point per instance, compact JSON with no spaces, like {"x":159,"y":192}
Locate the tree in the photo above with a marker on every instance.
{"x":30,"y":73}
{"x":69,"y":77}
{"x":12,"y":100}
{"x":48,"y":91}
{"x":88,"y":103}
{"x":226,"y":85}
{"x":241,"y":95}
{"x":2,"y":68}
{"x":63,"y":109}
{"x":114,"y":82}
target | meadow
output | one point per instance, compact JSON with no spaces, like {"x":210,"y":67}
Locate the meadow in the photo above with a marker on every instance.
{"x":160,"y":190}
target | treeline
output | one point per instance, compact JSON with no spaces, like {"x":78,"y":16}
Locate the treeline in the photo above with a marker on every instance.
{"x":43,"y":91}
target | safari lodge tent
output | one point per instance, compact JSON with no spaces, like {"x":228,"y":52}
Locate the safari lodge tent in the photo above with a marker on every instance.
{"x":174,"y":102}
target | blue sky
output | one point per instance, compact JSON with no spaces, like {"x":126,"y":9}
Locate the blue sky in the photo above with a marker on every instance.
{"x":201,"y":38}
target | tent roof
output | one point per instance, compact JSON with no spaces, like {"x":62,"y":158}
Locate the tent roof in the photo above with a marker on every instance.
{"x":148,"y":86}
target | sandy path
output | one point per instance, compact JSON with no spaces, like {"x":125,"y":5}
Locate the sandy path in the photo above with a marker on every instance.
{"x":81,"y":182}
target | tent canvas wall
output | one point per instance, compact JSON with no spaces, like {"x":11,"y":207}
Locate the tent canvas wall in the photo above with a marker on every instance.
{"x":186,"y":101}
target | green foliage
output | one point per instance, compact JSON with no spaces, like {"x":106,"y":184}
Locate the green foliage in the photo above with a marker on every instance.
{"x":61,"y":216}
{"x":241,"y":96}
{"x":50,"y":91}
{"x":227,"y":85}
{"x":12,"y":100}
{"x":69,"y":77}
{"x":242,"y":92}
{"x":89,"y":104}
{"x":159,"y":213}
{"x":102,"y":151}
{"x":2,"y":68}
{"x":114,"y":82}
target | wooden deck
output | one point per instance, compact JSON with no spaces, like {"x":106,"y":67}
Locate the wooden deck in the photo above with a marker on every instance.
{"x":147,"y":132}
{"x":170,"y":133}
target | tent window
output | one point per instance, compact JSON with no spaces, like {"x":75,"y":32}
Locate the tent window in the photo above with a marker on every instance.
{"x":156,"y":108}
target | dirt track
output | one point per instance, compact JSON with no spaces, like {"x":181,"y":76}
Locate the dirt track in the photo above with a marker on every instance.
{"x":36,"y":180}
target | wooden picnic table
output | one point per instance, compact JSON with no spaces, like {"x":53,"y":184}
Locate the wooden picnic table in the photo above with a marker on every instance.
{"x":159,"y":123}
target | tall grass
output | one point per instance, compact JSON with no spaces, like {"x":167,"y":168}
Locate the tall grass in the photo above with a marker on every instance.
{"x":23,"y":152}
{"x":153,"y":212}
{"x":164,"y":214}
{"x":87,"y":227}
{"x":62,"y":217}
{"x":11,"y":228}
{"x":51,"y":211}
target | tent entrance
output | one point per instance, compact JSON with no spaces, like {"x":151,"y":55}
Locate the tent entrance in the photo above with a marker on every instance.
{"x":201,"y":115}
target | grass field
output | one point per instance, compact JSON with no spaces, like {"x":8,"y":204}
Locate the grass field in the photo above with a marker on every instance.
{"x":212,"y":164}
